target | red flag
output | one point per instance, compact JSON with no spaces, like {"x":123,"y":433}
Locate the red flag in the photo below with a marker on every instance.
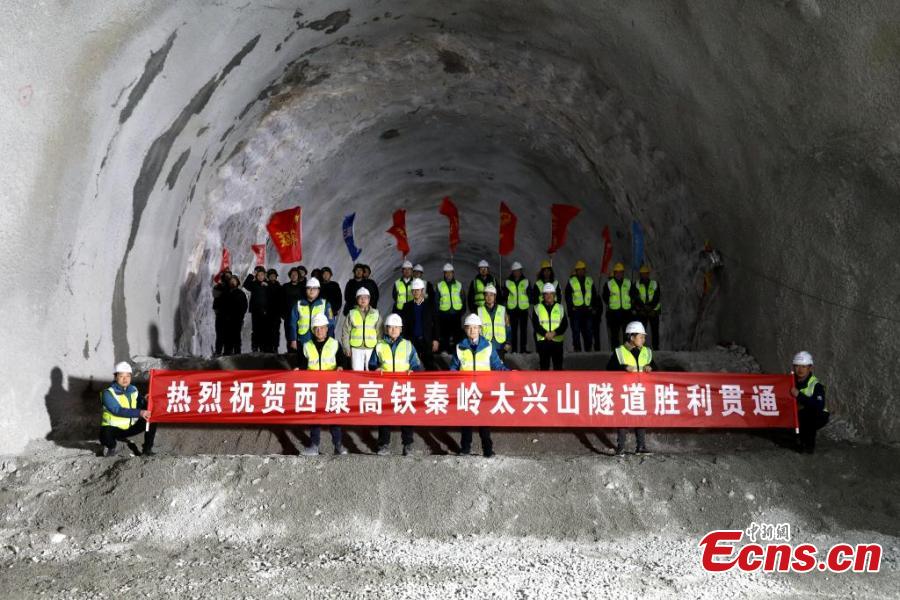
{"x":398,"y":230}
{"x":561,"y":215}
{"x":448,"y":209}
{"x":260,"y":251}
{"x":607,"y":250}
{"x":507,"y":229}
{"x":285,"y":230}
{"x":226,"y":262}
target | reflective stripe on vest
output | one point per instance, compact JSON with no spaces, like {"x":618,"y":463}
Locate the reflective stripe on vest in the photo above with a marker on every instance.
{"x":307,"y":311}
{"x":626,"y":358}
{"x":493,"y":327}
{"x":404,"y":293}
{"x":394,"y":360}
{"x":518,"y":295}
{"x":580,"y":298}
{"x":451,"y":296}
{"x":474,"y":361}
{"x":619,"y":295}
{"x":810,"y":389}
{"x":363,"y":333}
{"x":327,"y":361}
{"x":125,"y":401}
{"x":646,"y":292}
{"x":549,"y":321}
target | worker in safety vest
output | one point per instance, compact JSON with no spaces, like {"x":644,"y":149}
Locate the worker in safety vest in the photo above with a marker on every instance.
{"x":393,"y":354}
{"x":402,"y":290}
{"x":450,"y":307}
{"x":322,"y":353}
{"x":550,"y":323}
{"x":617,"y":296}
{"x":476,"y":288}
{"x":124,"y":414}
{"x":303,"y":313}
{"x":494,"y":321}
{"x":475,"y":353}
{"x":361,"y":331}
{"x":635,"y":357}
{"x":812,"y":412}
{"x":579,"y":298}
{"x":545,"y":275}
{"x":517,"y":299}
{"x":648,"y":304}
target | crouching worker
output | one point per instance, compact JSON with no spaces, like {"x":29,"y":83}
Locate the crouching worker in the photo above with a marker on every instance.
{"x":475,"y":353}
{"x":393,"y":354}
{"x":812,"y":414}
{"x":635,"y":357}
{"x":322,"y":353}
{"x":124,"y":414}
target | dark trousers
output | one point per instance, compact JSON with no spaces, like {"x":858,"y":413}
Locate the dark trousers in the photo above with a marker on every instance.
{"x":465,"y":440}
{"x":638,"y":434}
{"x":315,"y":435}
{"x":259,"y":333}
{"x":451,"y":331}
{"x":580,"y":318}
{"x":596,"y":317}
{"x":616,"y":320}
{"x":550,"y":352}
{"x":651,"y":323}
{"x":233,"y":337}
{"x":221,"y":333}
{"x":110,"y":435}
{"x":384,"y":436}
{"x":423,"y":349}
{"x":274,"y":333}
{"x":810,"y":421}
{"x":518,"y":324}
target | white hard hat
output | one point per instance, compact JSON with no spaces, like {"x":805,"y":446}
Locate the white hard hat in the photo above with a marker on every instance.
{"x":122,"y":367}
{"x":417,"y":284}
{"x":483,"y":264}
{"x":490,"y":289}
{"x":548,"y":288}
{"x":312,"y":282}
{"x":363,"y":291}
{"x":635,"y":327}
{"x":472,"y":319}
{"x":516,"y":266}
{"x":803,"y":358}
{"x":393,"y":320}
{"x":448,"y":267}
{"x":320,"y":320}
{"x":406,"y":265}
{"x":419,"y":268}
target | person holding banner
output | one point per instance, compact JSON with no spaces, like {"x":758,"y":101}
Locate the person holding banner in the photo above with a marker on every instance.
{"x":124,"y":414}
{"x":359,"y":333}
{"x":494,"y":321}
{"x":402,"y":290}
{"x":550,"y":323}
{"x":617,"y":296}
{"x":518,"y":302}
{"x":476,"y":288}
{"x":545,"y":275}
{"x":422,"y":327}
{"x":635,"y":357}
{"x":475,"y":353}
{"x":321,"y":352}
{"x":812,"y":413}
{"x":303,"y":313}
{"x":450,"y":307}
{"x":579,"y":298}
{"x":393,"y":354}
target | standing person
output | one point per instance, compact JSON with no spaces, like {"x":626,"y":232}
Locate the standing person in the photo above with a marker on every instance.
{"x":545,"y":275}
{"x":419,"y":273}
{"x":596,"y":319}
{"x":235,"y":307}
{"x":579,"y":297}
{"x":421,"y":323}
{"x":494,"y":322}
{"x":124,"y":413}
{"x":475,"y":353}
{"x":275,"y":300}
{"x":550,"y":323}
{"x":321,"y":352}
{"x":450,"y":307}
{"x":353,"y":285}
{"x":518,"y":302}
{"x":476,"y":288}
{"x":292,"y":292}
{"x":401,"y":291}
{"x":812,"y":413}
{"x":331,"y":291}
{"x":221,"y":285}
{"x":258,"y":287}
{"x":635,"y":357}
{"x":617,"y":296}
{"x":393,"y":354}
{"x":647,"y":304}
{"x":303,"y":313}
{"x":359,"y":333}
{"x":371,"y":285}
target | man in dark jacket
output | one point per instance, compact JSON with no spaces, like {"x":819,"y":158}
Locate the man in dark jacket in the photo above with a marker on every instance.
{"x":275,"y":300}
{"x":235,"y":307}
{"x":421,"y":324}
{"x":292,"y":292}
{"x":220,"y":289}
{"x":360,"y":280}
{"x":258,"y":287}
{"x":331,"y":290}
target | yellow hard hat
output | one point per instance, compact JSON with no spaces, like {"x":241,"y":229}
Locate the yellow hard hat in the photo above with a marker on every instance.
{"x":645,"y":269}
{"x":545,"y":264}
{"x":580,"y":265}
{"x":618,"y":267}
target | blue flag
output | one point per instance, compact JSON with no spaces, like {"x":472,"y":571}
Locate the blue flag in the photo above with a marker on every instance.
{"x":348,"y":237}
{"x":637,"y":246}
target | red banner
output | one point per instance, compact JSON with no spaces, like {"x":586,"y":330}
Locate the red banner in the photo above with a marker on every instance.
{"x":286,"y":233}
{"x":560,"y":215}
{"x":448,"y":209}
{"x":398,"y":230}
{"x":507,"y":229}
{"x":260,"y":251}
{"x":607,"y":250}
{"x":226,"y":262}
{"x":498,"y":399}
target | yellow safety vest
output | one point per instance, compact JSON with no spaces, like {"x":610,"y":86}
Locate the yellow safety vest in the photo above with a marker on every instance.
{"x":363,"y":333}
{"x":549,"y":321}
{"x":451,"y":296}
{"x":327,"y":361}
{"x":810,"y":388}
{"x":394,"y":360}
{"x":125,"y":401}
{"x":493,"y":329}
{"x":307,"y":311}
{"x":479,"y":292}
{"x":626,"y":358}
{"x":579,"y":297}
{"x":619,"y":295}
{"x":518,"y":295}
{"x":404,"y":292}
{"x":647,"y":291}
{"x":481,"y":361}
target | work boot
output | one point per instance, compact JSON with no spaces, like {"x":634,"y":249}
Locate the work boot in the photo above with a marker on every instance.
{"x":147,"y":451}
{"x":133,"y":447}
{"x":620,"y":452}
{"x":311,"y":451}
{"x":465,"y":451}
{"x":383,"y":451}
{"x":107,"y":451}
{"x":642,"y":450}
{"x":407,"y":449}
{"x":340,"y":451}
{"x":488,"y":453}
